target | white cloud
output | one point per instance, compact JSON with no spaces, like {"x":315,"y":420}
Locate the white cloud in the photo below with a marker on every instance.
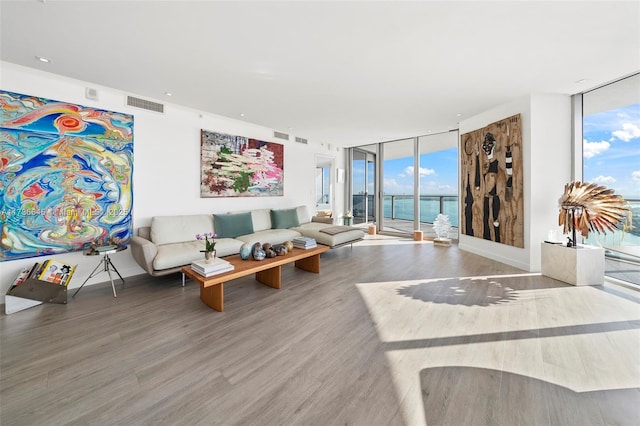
{"x":392,"y":186}
{"x":390,"y":182}
{"x":591,"y":149}
{"x":423,"y":172}
{"x":432,"y":187}
{"x":635,"y":175}
{"x":608,"y":180}
{"x":629,"y":131}
{"x":447,"y":189}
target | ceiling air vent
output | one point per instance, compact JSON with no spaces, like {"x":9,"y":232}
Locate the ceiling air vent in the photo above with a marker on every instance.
{"x":145,"y":104}
{"x":301,"y":140}
{"x":280,"y":135}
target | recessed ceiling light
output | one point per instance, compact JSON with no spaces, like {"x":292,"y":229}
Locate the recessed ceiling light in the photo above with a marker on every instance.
{"x":459,"y":114}
{"x":41,"y":59}
{"x":242,"y":114}
{"x":168,"y":93}
{"x":582,"y":80}
{"x":290,"y":128}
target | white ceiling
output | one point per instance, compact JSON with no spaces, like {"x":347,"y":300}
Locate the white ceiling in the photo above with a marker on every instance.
{"x":347,"y":73}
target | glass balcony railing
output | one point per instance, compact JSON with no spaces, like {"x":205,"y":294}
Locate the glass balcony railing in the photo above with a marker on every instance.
{"x":401,"y":207}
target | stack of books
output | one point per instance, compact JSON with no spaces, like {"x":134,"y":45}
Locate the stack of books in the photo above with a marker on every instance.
{"x":304,"y":242}
{"x":107,"y":249}
{"x":218,"y":266}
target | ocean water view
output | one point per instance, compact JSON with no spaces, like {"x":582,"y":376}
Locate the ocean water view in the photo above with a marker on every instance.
{"x":621,"y":238}
{"x":401,"y":207}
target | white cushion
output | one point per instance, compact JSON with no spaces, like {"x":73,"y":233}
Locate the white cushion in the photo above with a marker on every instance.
{"x":303,"y":214}
{"x":180,"y":254}
{"x":261,"y":219}
{"x":272,"y":236}
{"x":312,"y":230}
{"x":178,"y":229}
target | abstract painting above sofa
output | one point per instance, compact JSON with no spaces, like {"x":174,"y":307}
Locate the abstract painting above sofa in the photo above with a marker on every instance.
{"x":237,"y":166}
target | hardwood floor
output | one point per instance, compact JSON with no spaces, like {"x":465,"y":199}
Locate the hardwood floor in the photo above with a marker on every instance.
{"x":391,"y":332}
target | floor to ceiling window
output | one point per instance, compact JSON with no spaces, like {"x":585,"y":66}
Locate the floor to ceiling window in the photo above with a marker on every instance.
{"x":398,"y":186}
{"x":611,"y":157}
{"x":423,"y":168}
{"x":438,"y":170}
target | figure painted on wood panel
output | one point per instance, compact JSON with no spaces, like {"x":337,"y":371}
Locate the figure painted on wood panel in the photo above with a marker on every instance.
{"x":492,"y":182}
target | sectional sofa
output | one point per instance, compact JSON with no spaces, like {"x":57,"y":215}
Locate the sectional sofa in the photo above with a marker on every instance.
{"x":170,"y":242}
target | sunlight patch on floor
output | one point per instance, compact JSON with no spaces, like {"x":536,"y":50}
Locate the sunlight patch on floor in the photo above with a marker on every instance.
{"x":566,"y":336}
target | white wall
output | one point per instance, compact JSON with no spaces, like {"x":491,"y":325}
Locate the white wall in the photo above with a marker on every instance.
{"x":166,"y":163}
{"x":546,"y":138}
{"x":550,"y":170}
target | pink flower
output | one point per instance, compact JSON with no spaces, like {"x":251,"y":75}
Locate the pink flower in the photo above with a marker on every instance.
{"x":209,"y":245}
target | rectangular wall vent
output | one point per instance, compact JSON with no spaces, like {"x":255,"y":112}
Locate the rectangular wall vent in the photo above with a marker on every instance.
{"x":301,"y":140}
{"x":145,"y":104}
{"x":91,"y":93}
{"x":280,"y":135}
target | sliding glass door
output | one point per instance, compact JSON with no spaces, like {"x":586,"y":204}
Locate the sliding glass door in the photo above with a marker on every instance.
{"x":363,"y":169}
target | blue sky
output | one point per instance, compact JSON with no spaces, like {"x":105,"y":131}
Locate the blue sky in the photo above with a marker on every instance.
{"x":611,"y":158}
{"x":438,"y":174}
{"x":612,"y":149}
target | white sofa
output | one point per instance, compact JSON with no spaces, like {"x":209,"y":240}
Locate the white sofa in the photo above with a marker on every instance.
{"x":170,"y":242}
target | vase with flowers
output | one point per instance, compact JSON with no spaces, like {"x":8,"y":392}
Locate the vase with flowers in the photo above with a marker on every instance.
{"x":209,"y":245}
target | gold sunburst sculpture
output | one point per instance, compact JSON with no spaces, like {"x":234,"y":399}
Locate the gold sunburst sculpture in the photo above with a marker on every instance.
{"x":590,"y":207}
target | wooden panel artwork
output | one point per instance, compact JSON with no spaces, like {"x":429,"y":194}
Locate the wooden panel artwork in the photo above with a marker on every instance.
{"x":491,"y":179}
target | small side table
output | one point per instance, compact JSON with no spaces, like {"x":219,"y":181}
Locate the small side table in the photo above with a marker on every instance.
{"x":107,"y":266}
{"x":580,"y":265}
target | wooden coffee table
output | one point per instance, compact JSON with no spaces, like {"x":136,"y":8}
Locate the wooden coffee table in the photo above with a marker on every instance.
{"x":268,"y":272}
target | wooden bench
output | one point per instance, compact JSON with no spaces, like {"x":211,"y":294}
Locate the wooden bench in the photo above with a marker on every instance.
{"x":267,"y":271}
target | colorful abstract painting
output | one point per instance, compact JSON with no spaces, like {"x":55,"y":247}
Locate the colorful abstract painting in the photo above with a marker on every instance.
{"x":236,"y":166}
{"x":66,"y":176}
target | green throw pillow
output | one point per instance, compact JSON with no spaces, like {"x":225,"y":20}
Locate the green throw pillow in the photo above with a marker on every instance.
{"x":284,"y":218}
{"x":232,"y":225}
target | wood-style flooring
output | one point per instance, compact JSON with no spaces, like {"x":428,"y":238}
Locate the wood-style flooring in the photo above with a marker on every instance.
{"x":391,"y":332}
